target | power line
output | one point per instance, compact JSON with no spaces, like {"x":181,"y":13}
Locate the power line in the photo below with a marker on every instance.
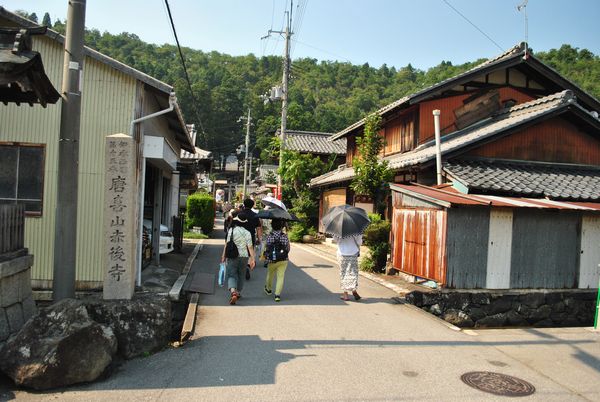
{"x":322,"y":50}
{"x":187,"y":77}
{"x":475,"y":26}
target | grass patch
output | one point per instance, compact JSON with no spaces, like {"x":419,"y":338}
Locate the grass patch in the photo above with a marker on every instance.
{"x":192,"y":235}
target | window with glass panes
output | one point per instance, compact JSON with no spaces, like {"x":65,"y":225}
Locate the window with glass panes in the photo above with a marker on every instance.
{"x":22,"y":175}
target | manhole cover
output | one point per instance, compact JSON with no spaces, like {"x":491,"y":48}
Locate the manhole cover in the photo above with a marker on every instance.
{"x":497,"y":384}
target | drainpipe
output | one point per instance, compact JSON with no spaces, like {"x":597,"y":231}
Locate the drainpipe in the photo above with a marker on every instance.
{"x":438,"y":146}
{"x":172,"y":103}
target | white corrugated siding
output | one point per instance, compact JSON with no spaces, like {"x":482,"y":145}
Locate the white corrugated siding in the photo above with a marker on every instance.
{"x":499,"y":249}
{"x":589,"y":272}
{"x":107,"y":108}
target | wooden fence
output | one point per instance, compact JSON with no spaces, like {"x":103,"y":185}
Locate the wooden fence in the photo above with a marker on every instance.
{"x":12,"y":227}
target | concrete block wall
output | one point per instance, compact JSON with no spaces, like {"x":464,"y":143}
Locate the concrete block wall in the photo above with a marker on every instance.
{"x":16,"y":298}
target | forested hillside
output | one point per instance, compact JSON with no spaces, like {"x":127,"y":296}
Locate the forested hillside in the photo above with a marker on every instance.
{"x":324,"y":96}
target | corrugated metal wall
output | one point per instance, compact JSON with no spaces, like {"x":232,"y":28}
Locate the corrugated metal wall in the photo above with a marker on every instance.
{"x":466,"y":244}
{"x":545,"y":249}
{"x":419,"y":236}
{"x":107,"y":108}
{"x":40,"y":126}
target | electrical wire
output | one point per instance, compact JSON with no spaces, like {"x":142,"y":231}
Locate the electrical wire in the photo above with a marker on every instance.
{"x":475,"y":26}
{"x":187,"y":77}
{"x":322,"y":50}
{"x":301,"y":11}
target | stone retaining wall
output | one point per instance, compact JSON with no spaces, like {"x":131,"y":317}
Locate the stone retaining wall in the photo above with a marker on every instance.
{"x":540,"y":308}
{"x":16,"y":299}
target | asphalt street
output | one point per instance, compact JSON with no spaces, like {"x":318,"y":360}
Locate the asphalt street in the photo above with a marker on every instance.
{"x":312,"y":346}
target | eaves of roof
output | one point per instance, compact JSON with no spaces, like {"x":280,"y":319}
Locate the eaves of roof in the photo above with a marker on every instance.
{"x":341,"y":174}
{"x":314,"y":142}
{"x":117,"y":65}
{"x":501,"y":123}
{"x":449,"y":199}
{"x":512,"y":57}
{"x":555,"y":181}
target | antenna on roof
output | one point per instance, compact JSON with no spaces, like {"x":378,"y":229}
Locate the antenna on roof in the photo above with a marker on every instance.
{"x":523,"y":7}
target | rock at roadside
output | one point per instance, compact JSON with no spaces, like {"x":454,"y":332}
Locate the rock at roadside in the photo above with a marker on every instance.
{"x":142,"y":325}
{"x":59,"y":346}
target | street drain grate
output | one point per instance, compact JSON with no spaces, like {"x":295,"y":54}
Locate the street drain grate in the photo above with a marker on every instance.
{"x":497,"y":384}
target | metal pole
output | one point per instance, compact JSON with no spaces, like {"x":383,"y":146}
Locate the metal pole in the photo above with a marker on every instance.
{"x":65,"y":229}
{"x":438,"y":146}
{"x":284,"y":103}
{"x":246,"y":157}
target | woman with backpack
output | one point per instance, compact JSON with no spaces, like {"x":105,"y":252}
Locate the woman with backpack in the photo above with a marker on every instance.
{"x":276,"y":254}
{"x":238,"y":252}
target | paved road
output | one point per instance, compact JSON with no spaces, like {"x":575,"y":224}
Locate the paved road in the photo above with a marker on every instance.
{"x":314,"y":347}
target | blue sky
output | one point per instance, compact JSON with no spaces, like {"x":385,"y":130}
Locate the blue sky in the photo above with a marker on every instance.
{"x":420,"y":32}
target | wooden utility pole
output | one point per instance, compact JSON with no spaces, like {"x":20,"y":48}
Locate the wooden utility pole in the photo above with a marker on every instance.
{"x":65,"y":233}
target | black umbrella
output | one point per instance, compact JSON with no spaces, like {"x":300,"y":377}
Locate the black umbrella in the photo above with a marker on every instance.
{"x":276,"y":213}
{"x":345,"y":220}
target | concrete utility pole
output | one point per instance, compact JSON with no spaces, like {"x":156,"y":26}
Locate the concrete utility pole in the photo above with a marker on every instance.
{"x":246,"y":157}
{"x":65,"y":232}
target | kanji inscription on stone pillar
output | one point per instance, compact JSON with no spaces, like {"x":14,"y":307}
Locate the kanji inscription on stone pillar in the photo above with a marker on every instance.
{"x":119,"y":217}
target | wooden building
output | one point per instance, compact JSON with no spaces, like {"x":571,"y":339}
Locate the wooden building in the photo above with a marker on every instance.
{"x":511,"y":127}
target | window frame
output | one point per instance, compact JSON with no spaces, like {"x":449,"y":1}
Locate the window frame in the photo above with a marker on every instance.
{"x":20,"y":145}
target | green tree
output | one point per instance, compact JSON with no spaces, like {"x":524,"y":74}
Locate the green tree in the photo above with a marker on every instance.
{"x":46,"y":21}
{"x":371,"y":173}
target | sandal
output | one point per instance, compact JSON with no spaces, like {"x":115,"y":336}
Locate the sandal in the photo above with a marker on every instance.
{"x":233,"y":298}
{"x":356,"y":295}
{"x":344,"y":298}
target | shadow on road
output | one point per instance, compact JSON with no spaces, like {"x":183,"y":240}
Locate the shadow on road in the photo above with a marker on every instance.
{"x":250,"y":360}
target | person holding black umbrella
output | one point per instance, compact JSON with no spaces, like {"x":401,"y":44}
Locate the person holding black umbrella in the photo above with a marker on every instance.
{"x":236,"y":266}
{"x":348,"y":253}
{"x":347,"y":223}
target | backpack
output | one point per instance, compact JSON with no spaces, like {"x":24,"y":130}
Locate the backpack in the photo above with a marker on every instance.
{"x":277,"y":251}
{"x":231,"y":250}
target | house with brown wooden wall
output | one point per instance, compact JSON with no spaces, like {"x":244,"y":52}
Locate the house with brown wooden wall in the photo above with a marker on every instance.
{"x":509,"y":128}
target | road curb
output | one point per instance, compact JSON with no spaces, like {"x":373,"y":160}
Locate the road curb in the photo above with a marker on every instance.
{"x":175,"y":292}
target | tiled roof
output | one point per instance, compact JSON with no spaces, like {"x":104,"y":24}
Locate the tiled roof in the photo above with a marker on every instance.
{"x":518,"y":49}
{"x":511,"y":57}
{"x":342,"y":173}
{"x":500,"y":122}
{"x":449,"y":198}
{"x":199,"y":154}
{"x":555,"y":181}
{"x":314,"y":142}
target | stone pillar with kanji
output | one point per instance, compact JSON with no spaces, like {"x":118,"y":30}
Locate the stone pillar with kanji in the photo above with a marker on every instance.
{"x":119,"y":217}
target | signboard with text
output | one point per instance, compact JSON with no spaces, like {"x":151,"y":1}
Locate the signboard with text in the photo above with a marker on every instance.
{"x":119,"y":217}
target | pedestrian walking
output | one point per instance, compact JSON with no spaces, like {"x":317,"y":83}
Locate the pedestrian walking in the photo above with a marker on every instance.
{"x":348,"y":253}
{"x":276,"y":253}
{"x":252,"y":225}
{"x":236,"y":264}
{"x":347,"y":223}
{"x":266,"y":229}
